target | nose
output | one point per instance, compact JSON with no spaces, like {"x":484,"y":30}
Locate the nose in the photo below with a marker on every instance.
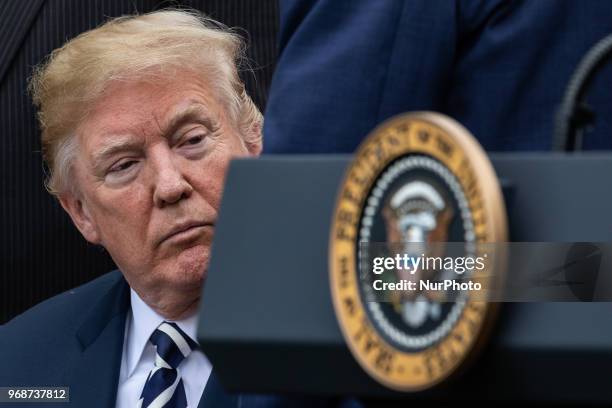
{"x":170,"y":185}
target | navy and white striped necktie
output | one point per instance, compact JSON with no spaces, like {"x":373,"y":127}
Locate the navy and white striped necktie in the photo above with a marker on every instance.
{"x":164,"y":387}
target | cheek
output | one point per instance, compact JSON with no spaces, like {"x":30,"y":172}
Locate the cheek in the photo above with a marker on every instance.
{"x":208,"y":179}
{"x":208,"y":175}
{"x":122,"y":215}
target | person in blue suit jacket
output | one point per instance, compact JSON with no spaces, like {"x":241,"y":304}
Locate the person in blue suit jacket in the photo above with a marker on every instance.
{"x":140,"y":118}
{"x":499,"y":67}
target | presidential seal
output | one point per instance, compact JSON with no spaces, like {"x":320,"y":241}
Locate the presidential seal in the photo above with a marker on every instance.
{"x":417,"y":179}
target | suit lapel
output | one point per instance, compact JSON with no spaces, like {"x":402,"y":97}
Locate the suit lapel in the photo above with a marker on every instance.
{"x":214,"y":395}
{"x":16,"y":17}
{"x":94,"y":376}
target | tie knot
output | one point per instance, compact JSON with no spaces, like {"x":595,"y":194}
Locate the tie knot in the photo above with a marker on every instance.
{"x":173,"y":345}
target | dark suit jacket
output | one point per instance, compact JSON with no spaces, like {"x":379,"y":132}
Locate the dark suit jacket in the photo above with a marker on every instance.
{"x":499,"y":67}
{"x":76,"y":340}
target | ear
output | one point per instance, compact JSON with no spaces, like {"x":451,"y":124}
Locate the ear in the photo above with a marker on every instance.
{"x":81,"y":217}
{"x":254,"y":139}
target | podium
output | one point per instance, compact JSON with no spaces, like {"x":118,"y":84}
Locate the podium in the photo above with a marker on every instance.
{"x":268,"y":325}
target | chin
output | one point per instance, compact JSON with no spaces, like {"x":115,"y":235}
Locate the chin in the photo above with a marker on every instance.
{"x":189,"y":268}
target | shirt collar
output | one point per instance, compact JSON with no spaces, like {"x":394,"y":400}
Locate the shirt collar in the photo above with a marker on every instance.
{"x":143,"y":322}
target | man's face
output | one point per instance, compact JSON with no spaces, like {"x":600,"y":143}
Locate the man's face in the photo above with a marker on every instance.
{"x":149,"y":175}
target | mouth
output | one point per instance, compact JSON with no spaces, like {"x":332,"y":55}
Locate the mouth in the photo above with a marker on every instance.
{"x":185,"y":232}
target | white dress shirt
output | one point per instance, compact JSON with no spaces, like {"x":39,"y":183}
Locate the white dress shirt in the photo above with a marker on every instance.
{"x":138,"y":357}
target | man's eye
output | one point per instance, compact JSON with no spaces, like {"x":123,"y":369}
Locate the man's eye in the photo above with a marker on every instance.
{"x":122,"y":166}
{"x":194,"y":140}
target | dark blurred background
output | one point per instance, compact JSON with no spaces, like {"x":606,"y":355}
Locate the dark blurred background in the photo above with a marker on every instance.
{"x":41,"y":252}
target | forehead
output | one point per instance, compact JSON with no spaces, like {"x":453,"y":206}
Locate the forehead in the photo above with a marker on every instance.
{"x":134,"y":107}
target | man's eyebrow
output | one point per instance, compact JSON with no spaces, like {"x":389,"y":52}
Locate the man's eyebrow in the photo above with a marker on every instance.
{"x":114,"y":145}
{"x":194,"y":112}
{"x":120,"y":144}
